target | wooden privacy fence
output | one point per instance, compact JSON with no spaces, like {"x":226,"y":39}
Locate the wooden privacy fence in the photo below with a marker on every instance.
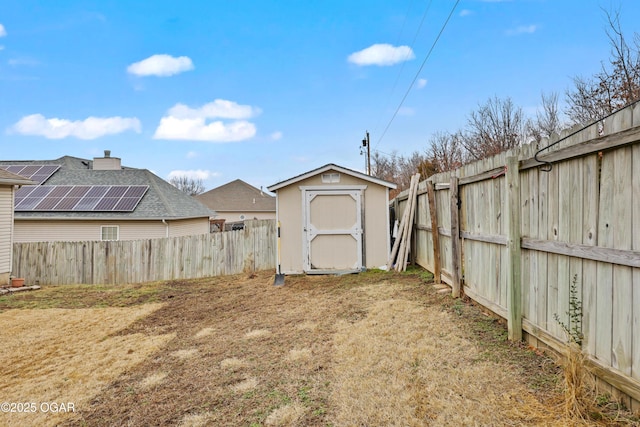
{"x":512,"y":237}
{"x":133,"y":261}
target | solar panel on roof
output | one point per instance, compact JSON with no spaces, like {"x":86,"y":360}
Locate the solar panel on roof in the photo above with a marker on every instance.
{"x":136,"y":191}
{"x":30,"y":170}
{"x":13,"y":169}
{"x":79,"y":190}
{"x":97,"y":190}
{"x":106,"y":204}
{"x":24,"y":191}
{"x":41,"y":190}
{"x":86,"y":204}
{"x":47,"y":204}
{"x":80,"y":198}
{"x":126,"y":204}
{"x":37,"y":173}
{"x":67,"y":203}
{"x":60,"y":190}
{"x":116,"y":192}
{"x":35,"y":197}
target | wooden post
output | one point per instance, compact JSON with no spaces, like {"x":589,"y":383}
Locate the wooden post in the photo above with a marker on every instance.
{"x":402,"y":252}
{"x":514,"y":285}
{"x":435,"y":235}
{"x":413,"y":194}
{"x":396,"y":244}
{"x":455,"y":238}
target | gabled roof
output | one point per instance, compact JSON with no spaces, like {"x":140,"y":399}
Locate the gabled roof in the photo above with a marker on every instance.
{"x":8,"y":178}
{"x":329,"y":167}
{"x":238,"y":196}
{"x":161,"y":201}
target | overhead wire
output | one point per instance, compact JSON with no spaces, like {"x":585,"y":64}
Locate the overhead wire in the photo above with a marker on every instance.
{"x":418,"y":72}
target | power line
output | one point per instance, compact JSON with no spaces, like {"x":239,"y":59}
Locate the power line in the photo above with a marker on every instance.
{"x":418,"y":73}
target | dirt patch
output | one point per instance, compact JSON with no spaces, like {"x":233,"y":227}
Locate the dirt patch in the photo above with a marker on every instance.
{"x":367,"y":349}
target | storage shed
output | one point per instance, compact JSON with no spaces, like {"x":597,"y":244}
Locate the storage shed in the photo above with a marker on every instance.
{"x":332,"y":220}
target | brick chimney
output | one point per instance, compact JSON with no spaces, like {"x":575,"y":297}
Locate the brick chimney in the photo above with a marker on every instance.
{"x":107,"y":163}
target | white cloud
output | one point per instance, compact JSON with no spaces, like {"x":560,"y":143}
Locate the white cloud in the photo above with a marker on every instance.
{"x":185,"y":123}
{"x":523,"y":29}
{"x":161,"y":66}
{"x":466,"y":12}
{"x":3,"y":31}
{"x":15,"y":62}
{"x":406,"y":111}
{"x":275,"y":136}
{"x":421,"y":83}
{"x":381,"y":55}
{"x":193,"y":174}
{"x":90,"y":128}
{"x":219,"y":108}
{"x":192,"y":154}
{"x":198,"y":130}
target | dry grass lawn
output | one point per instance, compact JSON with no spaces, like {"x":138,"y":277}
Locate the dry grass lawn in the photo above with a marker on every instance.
{"x":67,"y":355}
{"x":364,"y":350}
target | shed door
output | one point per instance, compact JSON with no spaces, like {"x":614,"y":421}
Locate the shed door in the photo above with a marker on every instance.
{"x":332,"y":231}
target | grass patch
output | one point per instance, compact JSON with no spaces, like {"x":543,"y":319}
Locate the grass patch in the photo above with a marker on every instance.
{"x":87,"y":296}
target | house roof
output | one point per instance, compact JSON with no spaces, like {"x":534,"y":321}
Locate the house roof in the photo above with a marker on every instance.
{"x":329,"y":167}
{"x":8,"y":178}
{"x":161,"y":201}
{"x":238,"y":196}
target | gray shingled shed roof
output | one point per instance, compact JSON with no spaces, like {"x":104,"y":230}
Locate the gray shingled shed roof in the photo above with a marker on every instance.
{"x":238,"y":196}
{"x":161,"y":201}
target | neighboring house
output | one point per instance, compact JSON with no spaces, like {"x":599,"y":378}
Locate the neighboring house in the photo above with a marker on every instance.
{"x":8,"y":184}
{"x":237,"y":201}
{"x":80,"y":200}
{"x":333,"y":220}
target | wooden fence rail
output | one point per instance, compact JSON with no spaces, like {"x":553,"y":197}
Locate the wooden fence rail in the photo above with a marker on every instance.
{"x":513,"y":237}
{"x":133,"y":261}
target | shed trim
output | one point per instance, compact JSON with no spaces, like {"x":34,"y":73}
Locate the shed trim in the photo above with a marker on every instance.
{"x":332,"y":187}
{"x":331,"y":166}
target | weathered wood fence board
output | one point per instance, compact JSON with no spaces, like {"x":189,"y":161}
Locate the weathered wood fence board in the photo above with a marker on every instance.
{"x":133,"y":261}
{"x":520,"y":251}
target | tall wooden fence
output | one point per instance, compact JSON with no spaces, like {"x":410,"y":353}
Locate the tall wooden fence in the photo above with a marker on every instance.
{"x":133,"y":261}
{"x":513,"y":237}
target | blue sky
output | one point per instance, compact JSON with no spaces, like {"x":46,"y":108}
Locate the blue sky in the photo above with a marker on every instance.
{"x":265,"y":90}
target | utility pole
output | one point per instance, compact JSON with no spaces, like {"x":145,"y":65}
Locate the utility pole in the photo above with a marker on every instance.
{"x":366,"y":143}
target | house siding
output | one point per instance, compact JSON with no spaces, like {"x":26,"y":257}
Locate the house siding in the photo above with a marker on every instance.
{"x":6,"y":224}
{"x":188,"y":227}
{"x":234,"y":216}
{"x":88,"y":230}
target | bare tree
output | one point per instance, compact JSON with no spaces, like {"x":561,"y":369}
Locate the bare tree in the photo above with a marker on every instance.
{"x":496,"y":126}
{"x":191,"y":186}
{"x":617,"y":83}
{"x":384,"y":167}
{"x":399,"y":169}
{"x":412,"y":164}
{"x":546,"y":121}
{"x":446,"y":151}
